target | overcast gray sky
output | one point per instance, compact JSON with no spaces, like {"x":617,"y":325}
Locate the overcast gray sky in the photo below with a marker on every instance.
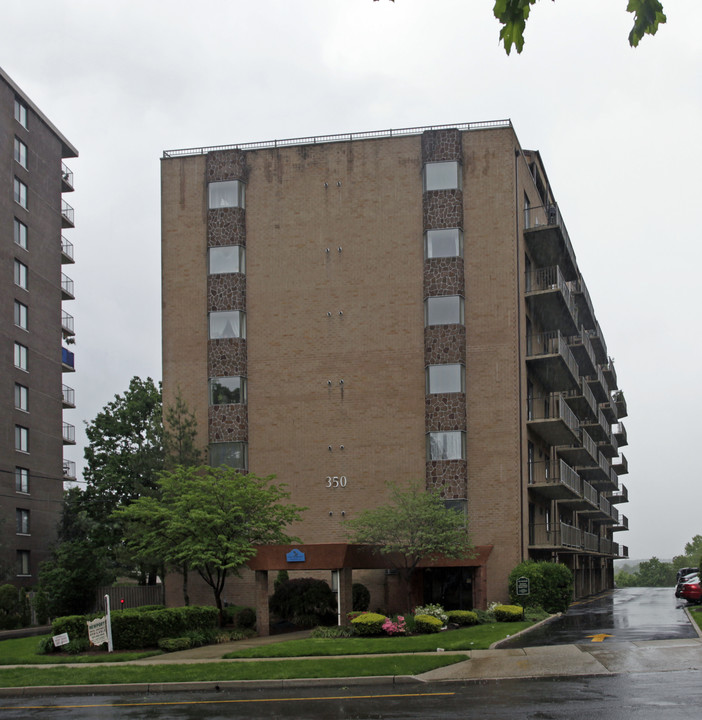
{"x":618,"y":129}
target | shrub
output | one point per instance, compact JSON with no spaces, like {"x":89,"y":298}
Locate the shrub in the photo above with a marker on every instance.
{"x":485,"y":616}
{"x":280,"y":578}
{"x":551,"y":585}
{"x":46,"y":646}
{"x":361,"y":597}
{"x":245,"y":618}
{"x":368,"y":624}
{"x":535,"y":614}
{"x":509,"y":613}
{"x":77,"y":646}
{"x":332,"y":631}
{"x":432,"y":610}
{"x":396,"y":626}
{"x":174,"y":644}
{"x":462,"y":617}
{"x":74,"y":625}
{"x":427,"y":624}
{"x":9,"y":608}
{"x":304,"y":601}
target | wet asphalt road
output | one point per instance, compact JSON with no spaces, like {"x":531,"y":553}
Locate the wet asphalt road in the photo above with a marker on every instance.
{"x":623,"y":615}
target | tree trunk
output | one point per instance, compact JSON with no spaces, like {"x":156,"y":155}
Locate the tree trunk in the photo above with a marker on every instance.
{"x":186,"y":597}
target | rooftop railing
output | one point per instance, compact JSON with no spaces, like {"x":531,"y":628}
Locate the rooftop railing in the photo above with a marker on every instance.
{"x":344,"y":137}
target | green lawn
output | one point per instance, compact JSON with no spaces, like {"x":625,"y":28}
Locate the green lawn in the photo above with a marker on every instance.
{"x":221,"y":671}
{"x":697,"y":616}
{"x":478,"y":637}
{"x":23,"y":651}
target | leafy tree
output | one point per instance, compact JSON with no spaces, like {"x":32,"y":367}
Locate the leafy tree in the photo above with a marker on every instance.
{"x":305,"y":601}
{"x":180,"y":436}
{"x":692,"y":556}
{"x":624,"y":578}
{"x":550,"y":585}
{"x":415,"y":525}
{"x":210,"y":519}
{"x":654,"y":573}
{"x":78,"y":563}
{"x":124,"y":456}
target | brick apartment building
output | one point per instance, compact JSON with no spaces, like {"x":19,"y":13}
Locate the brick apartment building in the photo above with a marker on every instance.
{"x":346,"y":310}
{"x":33,"y":325}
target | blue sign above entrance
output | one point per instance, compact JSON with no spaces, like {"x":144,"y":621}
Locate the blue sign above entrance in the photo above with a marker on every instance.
{"x":295,"y":556}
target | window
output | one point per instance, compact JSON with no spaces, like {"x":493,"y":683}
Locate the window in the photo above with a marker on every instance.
{"x":21,"y":480}
{"x":229,"y":193}
{"x":227,"y":390}
{"x":444,"y":310}
{"x":22,"y":517}
{"x":447,"y":242}
{"x":446,"y":379}
{"x":227,"y":324}
{"x":21,"y":397}
{"x":20,"y":356}
{"x":21,"y":438}
{"x":20,"y":193}
{"x":21,"y":113}
{"x":442,"y":176}
{"x":23,"y":562}
{"x":228,"y":259}
{"x":20,"y":274}
{"x":20,"y":234}
{"x":20,"y":315}
{"x":231,"y":454}
{"x":21,"y":153}
{"x":458,"y":505}
{"x":446,"y":445}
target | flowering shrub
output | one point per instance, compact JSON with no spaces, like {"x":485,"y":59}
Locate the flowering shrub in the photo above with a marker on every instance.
{"x":433,"y":611}
{"x":397,"y":627}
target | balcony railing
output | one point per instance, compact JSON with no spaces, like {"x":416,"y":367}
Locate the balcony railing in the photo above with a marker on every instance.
{"x":607,"y":546}
{"x":69,"y":470}
{"x":619,"y":432}
{"x":591,"y":542}
{"x":582,"y":349}
{"x":66,"y":251}
{"x":555,"y":535}
{"x":67,"y":360}
{"x":69,"y":434}
{"x":620,"y":465}
{"x":549,"y":216}
{"x":549,"y":293}
{"x":69,"y":396}
{"x":552,"y":419}
{"x":598,"y":343}
{"x":622,"y":523}
{"x":67,"y":323}
{"x":620,"y":403}
{"x":582,"y":298}
{"x":590,"y":494}
{"x":610,"y":374}
{"x":67,"y":288}
{"x":66,"y":178}
{"x":67,"y":215}
{"x":542,"y":349}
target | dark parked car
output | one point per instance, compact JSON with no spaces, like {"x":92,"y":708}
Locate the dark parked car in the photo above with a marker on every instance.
{"x":692,"y":590}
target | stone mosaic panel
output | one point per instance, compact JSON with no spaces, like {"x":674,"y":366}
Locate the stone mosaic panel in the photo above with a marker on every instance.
{"x":445,"y":411}
{"x":439,"y":145}
{"x":444,"y":276}
{"x":226,"y":357}
{"x":450,"y":477}
{"x":228,"y":423}
{"x":444,"y":344}
{"x":226,"y":165}
{"x":226,"y":291}
{"x":443,"y":209}
{"x":226,"y":226}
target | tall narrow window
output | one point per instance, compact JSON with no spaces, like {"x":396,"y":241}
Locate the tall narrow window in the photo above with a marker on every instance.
{"x":21,"y":480}
{"x":444,"y":310}
{"x":226,"y":194}
{"x":21,"y":153}
{"x":228,"y":259}
{"x":21,"y":113}
{"x":22,"y":519}
{"x":446,"y":379}
{"x":21,"y":438}
{"x":20,"y":193}
{"x":231,"y":454}
{"x":20,"y":315}
{"x":227,"y":390}
{"x":20,"y":274}
{"x":21,"y":397}
{"x":20,"y":356}
{"x":446,"y":242}
{"x":446,"y":445}
{"x":20,"y":233}
{"x":442,"y":176}
{"x":23,"y":562}
{"x":227,"y":324}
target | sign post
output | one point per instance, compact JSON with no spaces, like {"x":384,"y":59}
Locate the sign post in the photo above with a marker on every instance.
{"x":523,"y":586}
{"x":110,"y":648}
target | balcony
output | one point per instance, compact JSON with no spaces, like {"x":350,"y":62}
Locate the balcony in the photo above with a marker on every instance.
{"x":67,"y":215}
{"x":620,"y":465}
{"x":582,"y":453}
{"x":620,"y":404}
{"x":66,"y":178}
{"x":587,"y":500}
{"x":599,"y":474}
{"x":598,"y":385}
{"x":67,"y":324}
{"x":563,"y":484}
{"x":622,"y":524}
{"x":67,"y":288}
{"x":68,"y":396}
{"x":607,"y":547}
{"x":550,"y":360}
{"x":609,"y":447}
{"x":66,"y":251}
{"x":67,"y":361}
{"x":583,"y":352}
{"x":555,"y":536}
{"x":547,"y":239}
{"x":552,"y":420}
{"x":597,"y":427}
{"x":610,"y":374}
{"x":598,"y":343}
{"x":550,"y":299}
{"x":583,"y":303}
{"x":619,"y":432}
{"x":591,"y":542}
{"x":622,"y":551}
{"x":582,"y":401}
{"x":69,"y":434}
{"x":620,"y":496}
{"x":69,"y":470}
{"x":609,"y":410}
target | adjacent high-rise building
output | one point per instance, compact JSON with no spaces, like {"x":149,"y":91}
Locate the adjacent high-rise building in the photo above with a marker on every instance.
{"x":344,"y":311}
{"x":35,"y":329}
